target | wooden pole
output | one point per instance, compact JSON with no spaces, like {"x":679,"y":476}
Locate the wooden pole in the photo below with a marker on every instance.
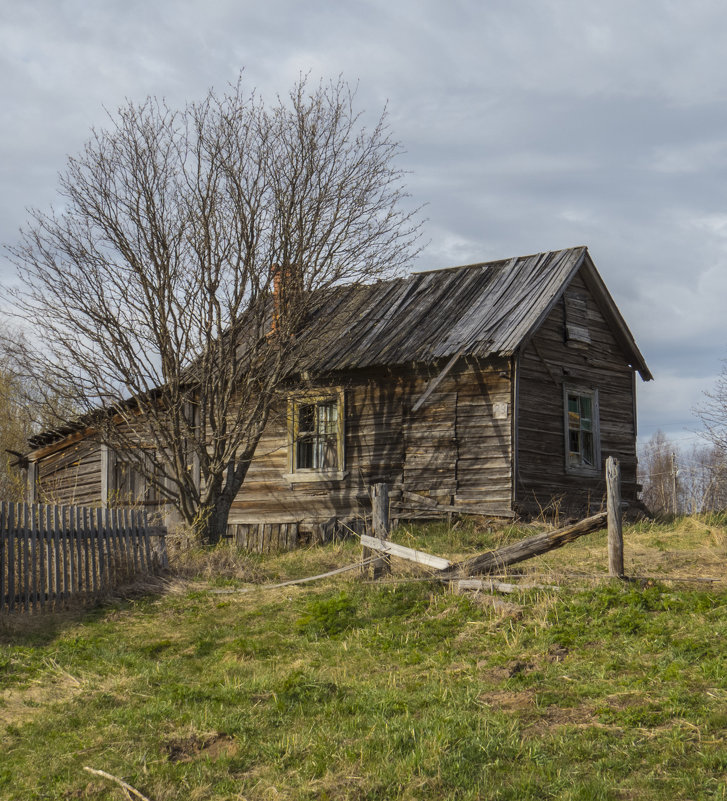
{"x":524,"y":549}
{"x":380,"y":524}
{"x":613,"y":509}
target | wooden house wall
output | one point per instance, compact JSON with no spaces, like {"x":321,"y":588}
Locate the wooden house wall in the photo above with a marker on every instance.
{"x":484,"y":435}
{"x":546,"y":365}
{"x":373,"y":453}
{"x":451,"y":449}
{"x":71,"y":475}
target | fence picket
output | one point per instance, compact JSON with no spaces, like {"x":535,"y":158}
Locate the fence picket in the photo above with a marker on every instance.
{"x":63,"y":533}
{"x":113,"y":546}
{"x":147,"y":549}
{"x":48,"y":539}
{"x":143,"y":566}
{"x":33,"y":537}
{"x":93,"y":537}
{"x":78,"y":526}
{"x":135,"y":539}
{"x":86,"y":555}
{"x":128,"y":569}
{"x":26,"y":558}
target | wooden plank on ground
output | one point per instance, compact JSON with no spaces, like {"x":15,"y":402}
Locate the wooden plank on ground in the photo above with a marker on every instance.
{"x":490,"y":585}
{"x":412,"y":555}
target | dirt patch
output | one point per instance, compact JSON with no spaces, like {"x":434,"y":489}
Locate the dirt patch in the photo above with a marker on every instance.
{"x":212,"y":746}
{"x":506,"y":701}
{"x":534,"y":719}
{"x":19,"y":705}
{"x":504,"y":672}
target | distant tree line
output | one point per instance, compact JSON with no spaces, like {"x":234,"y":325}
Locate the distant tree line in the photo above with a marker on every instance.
{"x":678,"y":480}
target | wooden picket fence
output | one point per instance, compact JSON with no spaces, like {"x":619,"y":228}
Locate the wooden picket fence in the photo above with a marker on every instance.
{"x":50,"y":555}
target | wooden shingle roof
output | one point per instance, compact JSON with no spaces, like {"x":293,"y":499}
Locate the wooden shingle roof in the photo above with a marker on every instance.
{"x":478,"y":310}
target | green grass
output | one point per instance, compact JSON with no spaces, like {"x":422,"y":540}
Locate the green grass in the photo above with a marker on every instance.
{"x":400,"y":690}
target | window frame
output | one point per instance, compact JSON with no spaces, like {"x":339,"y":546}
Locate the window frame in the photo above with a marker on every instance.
{"x":592,"y":394}
{"x":129,"y":483}
{"x":319,"y":398}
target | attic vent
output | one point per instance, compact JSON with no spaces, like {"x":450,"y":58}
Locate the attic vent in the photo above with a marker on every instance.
{"x":576,"y":320}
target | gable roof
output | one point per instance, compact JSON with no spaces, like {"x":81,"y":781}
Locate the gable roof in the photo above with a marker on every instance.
{"x":482,"y":310}
{"x":486,"y":309}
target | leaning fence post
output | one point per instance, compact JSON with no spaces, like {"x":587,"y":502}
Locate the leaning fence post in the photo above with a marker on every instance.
{"x":380,"y":524}
{"x":613,"y":509}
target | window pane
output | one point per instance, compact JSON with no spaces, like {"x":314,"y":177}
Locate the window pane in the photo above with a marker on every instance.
{"x":587,"y":452}
{"x":306,"y":418}
{"x":304,"y":454}
{"x":316,"y":445}
{"x":327,"y":418}
{"x":586,"y":407}
{"x":329,"y":453}
{"x":580,"y":436}
{"x":574,"y":443}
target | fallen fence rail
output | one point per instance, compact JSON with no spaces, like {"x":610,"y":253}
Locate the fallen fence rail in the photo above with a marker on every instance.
{"x":52,"y":554}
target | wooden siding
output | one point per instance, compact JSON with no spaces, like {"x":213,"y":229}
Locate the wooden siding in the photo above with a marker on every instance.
{"x":546,"y":365}
{"x":451,"y":449}
{"x":484,"y":434}
{"x":71,"y":475}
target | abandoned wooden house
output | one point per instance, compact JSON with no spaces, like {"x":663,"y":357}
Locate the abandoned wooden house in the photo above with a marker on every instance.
{"x":498,"y":388}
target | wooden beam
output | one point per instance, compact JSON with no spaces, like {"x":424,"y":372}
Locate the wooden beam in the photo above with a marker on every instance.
{"x":436,"y":381}
{"x":393,"y":549}
{"x":489,"y":585}
{"x":526,"y":549}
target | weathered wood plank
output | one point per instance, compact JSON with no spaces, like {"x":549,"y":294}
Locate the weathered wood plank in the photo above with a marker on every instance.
{"x":410,"y":554}
{"x":26,"y":556}
{"x":526,"y":549}
{"x":613,"y":510}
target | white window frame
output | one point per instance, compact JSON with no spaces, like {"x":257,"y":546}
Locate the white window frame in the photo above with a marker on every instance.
{"x":582,"y":466}
{"x":297,"y":474}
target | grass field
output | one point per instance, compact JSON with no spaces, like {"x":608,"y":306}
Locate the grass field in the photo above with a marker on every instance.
{"x":349,"y":689}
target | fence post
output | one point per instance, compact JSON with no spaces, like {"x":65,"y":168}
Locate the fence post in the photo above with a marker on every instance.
{"x":380,"y":524}
{"x":613,"y":509}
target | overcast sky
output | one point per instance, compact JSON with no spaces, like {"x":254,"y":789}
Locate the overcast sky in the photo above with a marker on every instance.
{"x":528,"y":126}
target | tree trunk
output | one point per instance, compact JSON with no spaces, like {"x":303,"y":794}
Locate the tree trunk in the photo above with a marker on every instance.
{"x":214,"y":510}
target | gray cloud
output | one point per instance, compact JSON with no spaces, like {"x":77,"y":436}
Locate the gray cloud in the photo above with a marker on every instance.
{"x":527,"y":126}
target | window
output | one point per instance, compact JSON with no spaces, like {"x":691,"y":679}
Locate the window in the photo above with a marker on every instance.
{"x":582,"y":442}
{"x":130,"y":485}
{"x":316,"y":437}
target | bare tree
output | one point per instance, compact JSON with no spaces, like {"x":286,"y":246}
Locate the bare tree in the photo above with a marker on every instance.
{"x":703,"y":479}
{"x":657,"y":474}
{"x":14,"y":431}
{"x":682,"y":481}
{"x":150,"y":287}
